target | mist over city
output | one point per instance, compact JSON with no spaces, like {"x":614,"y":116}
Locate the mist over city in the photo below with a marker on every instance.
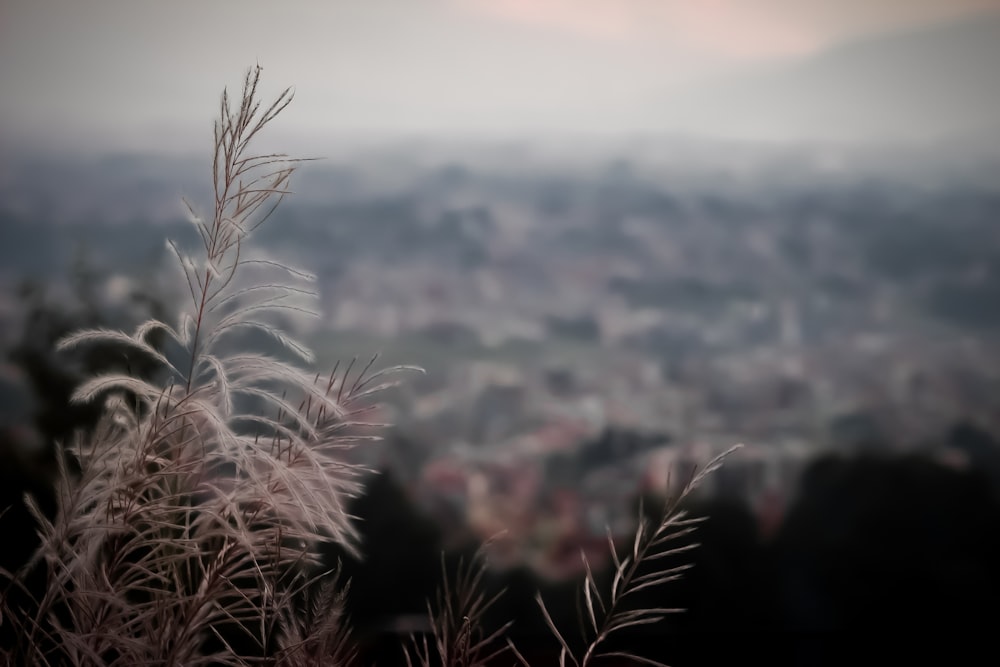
{"x":618,"y":237}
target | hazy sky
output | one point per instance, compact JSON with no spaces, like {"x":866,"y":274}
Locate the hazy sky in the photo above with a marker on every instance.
{"x":148,"y":73}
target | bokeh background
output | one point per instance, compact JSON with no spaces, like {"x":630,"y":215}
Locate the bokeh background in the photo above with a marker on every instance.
{"x":620,"y":236}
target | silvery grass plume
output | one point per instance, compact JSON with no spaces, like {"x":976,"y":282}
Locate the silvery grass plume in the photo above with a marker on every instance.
{"x":189,"y":533}
{"x":608,"y":614}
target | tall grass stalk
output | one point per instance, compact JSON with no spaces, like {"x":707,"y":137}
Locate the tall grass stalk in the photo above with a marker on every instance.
{"x":457,"y":637}
{"x":188,"y":523}
{"x":607,"y":614}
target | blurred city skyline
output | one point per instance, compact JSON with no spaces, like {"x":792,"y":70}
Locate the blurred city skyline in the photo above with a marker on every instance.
{"x":143,"y":75}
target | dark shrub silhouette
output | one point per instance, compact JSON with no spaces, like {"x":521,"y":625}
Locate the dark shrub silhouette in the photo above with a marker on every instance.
{"x":880,"y":544}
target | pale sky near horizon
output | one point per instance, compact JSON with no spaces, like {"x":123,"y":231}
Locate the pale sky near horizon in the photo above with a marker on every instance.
{"x":146,"y":73}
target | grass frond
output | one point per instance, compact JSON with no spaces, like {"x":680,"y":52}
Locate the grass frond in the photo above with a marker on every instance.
{"x":607,"y":614}
{"x":201,"y":498}
{"x":456,"y":616}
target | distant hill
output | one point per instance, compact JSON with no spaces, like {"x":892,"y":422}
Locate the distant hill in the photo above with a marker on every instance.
{"x":935,"y":83}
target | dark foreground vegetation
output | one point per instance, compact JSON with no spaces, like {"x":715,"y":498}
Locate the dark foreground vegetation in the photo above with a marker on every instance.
{"x":874,"y":546}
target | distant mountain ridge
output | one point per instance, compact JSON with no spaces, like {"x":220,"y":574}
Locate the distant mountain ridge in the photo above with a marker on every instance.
{"x":929,"y":84}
